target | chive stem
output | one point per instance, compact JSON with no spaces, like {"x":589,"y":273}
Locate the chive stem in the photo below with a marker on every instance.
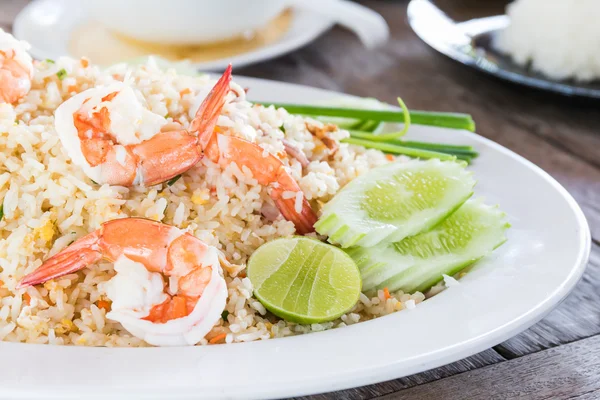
{"x":171,"y":181}
{"x":426,"y":145}
{"x":456,"y":150}
{"x":395,"y":149}
{"x":439,"y":147}
{"x":440,"y":119}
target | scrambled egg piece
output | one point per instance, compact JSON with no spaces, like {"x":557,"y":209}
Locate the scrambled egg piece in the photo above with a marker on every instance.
{"x":65,"y":326}
{"x":45,"y":232}
{"x":200,"y":197}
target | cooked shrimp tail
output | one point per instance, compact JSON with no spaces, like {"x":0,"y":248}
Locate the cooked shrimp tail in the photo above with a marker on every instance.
{"x":269,"y":171}
{"x":207,"y":115}
{"x":305,"y":219}
{"x":75,"y":257}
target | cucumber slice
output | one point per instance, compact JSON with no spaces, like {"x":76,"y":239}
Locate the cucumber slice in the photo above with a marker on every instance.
{"x":395,"y":201}
{"x":418,"y":262}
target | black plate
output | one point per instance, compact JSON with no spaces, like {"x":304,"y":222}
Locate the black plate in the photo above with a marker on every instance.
{"x":470,"y":44}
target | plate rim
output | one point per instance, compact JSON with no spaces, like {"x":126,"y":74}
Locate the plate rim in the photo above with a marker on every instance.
{"x":373,"y":374}
{"x":284,"y":45}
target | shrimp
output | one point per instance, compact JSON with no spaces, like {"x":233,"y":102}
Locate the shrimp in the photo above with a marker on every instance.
{"x":112,"y":136}
{"x":145,"y":253}
{"x":116,"y":140}
{"x":16,"y":68}
{"x":269,"y":171}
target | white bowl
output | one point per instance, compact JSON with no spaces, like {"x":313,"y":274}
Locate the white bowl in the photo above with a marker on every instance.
{"x":184,"y":22}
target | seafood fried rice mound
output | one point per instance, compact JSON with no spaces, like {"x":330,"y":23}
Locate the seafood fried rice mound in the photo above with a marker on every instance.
{"x":48,"y":203}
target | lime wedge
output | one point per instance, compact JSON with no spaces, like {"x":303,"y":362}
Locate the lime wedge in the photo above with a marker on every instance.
{"x":304,"y":280}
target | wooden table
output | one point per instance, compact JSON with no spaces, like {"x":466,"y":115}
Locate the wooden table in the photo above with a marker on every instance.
{"x":558,"y":357}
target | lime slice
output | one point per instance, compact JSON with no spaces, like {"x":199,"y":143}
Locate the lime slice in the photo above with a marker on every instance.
{"x":304,"y":280}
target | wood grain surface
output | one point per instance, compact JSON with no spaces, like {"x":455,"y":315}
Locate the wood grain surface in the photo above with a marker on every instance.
{"x":556,"y":358}
{"x":569,"y":371}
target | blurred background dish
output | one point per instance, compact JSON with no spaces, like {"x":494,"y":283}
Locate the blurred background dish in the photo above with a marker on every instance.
{"x":201,"y":22}
{"x":183,"y":22}
{"x":559,"y":39}
{"x":474,"y":43}
{"x":58,"y":27}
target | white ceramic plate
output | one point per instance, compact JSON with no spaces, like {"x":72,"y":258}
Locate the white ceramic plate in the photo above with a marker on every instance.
{"x":48,"y":25}
{"x":523,"y":280}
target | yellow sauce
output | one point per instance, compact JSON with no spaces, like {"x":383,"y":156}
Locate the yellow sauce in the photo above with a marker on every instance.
{"x":104,"y":47}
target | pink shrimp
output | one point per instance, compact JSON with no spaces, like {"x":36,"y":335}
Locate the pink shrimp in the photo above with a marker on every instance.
{"x":109,"y":133}
{"x":268,"y":170}
{"x":180,"y":312}
{"x":16,"y":68}
{"x":84,"y":131}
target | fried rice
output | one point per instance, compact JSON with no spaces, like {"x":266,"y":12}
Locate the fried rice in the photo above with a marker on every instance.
{"x":48,"y":202}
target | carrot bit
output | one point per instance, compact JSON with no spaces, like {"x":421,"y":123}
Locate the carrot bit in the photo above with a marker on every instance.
{"x":389,"y":157}
{"x":84,"y":62}
{"x":184,"y":92}
{"x":105,"y":305}
{"x":220,"y":338}
{"x":72,"y":88}
{"x":386,"y":293}
{"x":1,"y":283}
{"x":242,"y":274}
{"x":26,"y":298}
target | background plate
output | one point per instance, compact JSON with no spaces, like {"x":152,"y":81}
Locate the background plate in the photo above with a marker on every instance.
{"x":48,"y":24}
{"x":469,"y":43}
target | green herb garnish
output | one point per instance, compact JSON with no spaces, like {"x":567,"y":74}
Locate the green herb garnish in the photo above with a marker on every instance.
{"x":49,"y":61}
{"x":440,"y":119}
{"x":61,"y":74}
{"x":173,"y":180}
{"x":1,"y":211}
{"x":412,"y":148}
{"x":364,"y":132}
{"x":224,"y":315}
{"x":395,"y":149}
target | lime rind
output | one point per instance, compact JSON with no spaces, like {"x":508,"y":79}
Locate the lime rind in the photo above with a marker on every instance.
{"x":395,"y":201}
{"x":303,"y":280}
{"x":418,"y":262}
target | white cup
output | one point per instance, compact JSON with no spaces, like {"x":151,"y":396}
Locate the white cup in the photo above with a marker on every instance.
{"x":184,"y":22}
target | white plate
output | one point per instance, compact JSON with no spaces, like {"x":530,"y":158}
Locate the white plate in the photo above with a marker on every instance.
{"x":523,"y":280}
{"x":48,"y":25}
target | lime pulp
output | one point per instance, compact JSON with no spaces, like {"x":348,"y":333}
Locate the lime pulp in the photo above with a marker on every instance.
{"x":304,"y":280}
